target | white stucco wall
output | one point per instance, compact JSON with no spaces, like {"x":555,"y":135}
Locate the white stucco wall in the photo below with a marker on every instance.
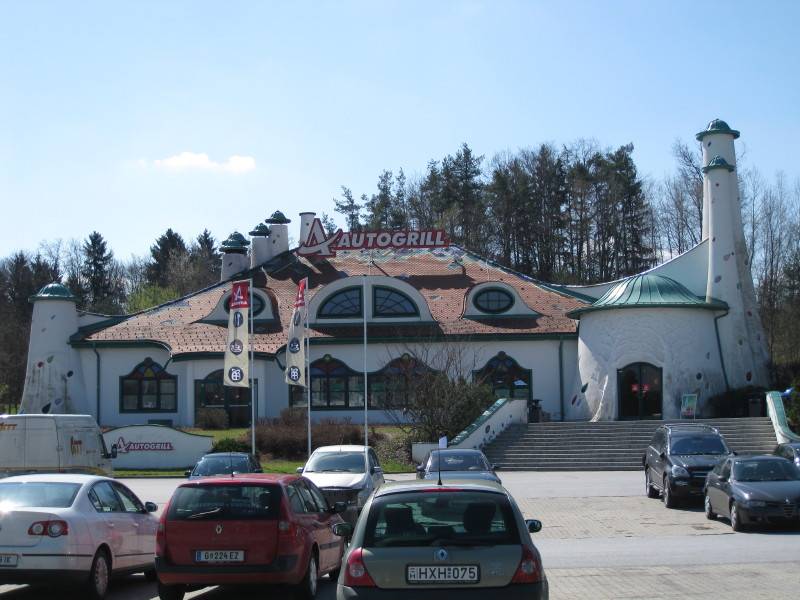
{"x":680,"y":341}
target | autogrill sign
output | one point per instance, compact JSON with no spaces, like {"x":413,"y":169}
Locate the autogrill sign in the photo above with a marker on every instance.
{"x":319,"y":243}
{"x":123,"y":446}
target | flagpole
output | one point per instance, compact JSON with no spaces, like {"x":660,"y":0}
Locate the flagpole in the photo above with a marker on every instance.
{"x":308,"y":379}
{"x":251,"y":383}
{"x":366,"y":386}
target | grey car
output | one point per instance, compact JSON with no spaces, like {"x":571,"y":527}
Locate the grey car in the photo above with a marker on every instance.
{"x":456,"y":463}
{"x":421,"y":540}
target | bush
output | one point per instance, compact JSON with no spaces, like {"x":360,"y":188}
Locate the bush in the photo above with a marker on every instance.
{"x":231,"y":445}
{"x":793,"y":407}
{"x":211,"y":418}
{"x":736,"y":403}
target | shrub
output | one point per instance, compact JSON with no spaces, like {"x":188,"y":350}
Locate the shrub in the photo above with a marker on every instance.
{"x":211,"y":418}
{"x":793,"y":407}
{"x":231,"y":445}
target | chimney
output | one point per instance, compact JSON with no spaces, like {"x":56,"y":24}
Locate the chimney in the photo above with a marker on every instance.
{"x":278,"y":233}
{"x":234,"y":255}
{"x":260,"y":252}
{"x":306,"y":221}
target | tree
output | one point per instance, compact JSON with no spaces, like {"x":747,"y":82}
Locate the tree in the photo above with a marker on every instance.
{"x":327,"y":224}
{"x":348,"y":207}
{"x":101,"y":276}
{"x":168,"y":245}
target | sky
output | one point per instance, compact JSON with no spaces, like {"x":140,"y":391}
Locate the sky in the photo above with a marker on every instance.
{"x":132,"y":117}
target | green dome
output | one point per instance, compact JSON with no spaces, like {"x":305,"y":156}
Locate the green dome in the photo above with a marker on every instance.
{"x":277,"y":218}
{"x":717,"y":163}
{"x":260,"y":230}
{"x":717,"y":126}
{"x":648,"y":291}
{"x":54,"y":291}
{"x":236,"y":242}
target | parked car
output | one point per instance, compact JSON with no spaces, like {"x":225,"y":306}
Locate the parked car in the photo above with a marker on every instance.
{"x":224,"y":463}
{"x":789,"y":451}
{"x":53,"y":444}
{"x":754,"y":489}
{"x":678,"y":459}
{"x":245,"y":529}
{"x":417,"y":539}
{"x":79,"y":529}
{"x":455,"y":463}
{"x":340,"y":472}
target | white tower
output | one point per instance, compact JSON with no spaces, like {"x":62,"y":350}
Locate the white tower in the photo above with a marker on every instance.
{"x":306,"y":221}
{"x":234,"y":255}
{"x":741,"y":336}
{"x":278,"y":233}
{"x":261,"y":246}
{"x":53,"y":377}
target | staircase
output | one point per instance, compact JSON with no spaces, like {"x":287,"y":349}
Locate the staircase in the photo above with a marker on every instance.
{"x":608,"y":445}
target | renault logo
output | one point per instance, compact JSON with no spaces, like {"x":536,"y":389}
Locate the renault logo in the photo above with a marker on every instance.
{"x":440,"y":554}
{"x":218,"y":529}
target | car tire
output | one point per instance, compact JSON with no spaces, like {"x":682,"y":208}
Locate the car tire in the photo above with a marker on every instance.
{"x":710,"y":514}
{"x":736,"y":519}
{"x":171,"y":592}
{"x":648,"y":485}
{"x":666,"y":495}
{"x":99,"y":576}
{"x":307,"y":588}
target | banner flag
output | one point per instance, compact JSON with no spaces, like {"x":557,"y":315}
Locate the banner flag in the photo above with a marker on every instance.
{"x":236,"y":372}
{"x":296,"y":342}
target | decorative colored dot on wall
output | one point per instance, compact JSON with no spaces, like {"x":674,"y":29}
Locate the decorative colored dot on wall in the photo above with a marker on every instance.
{"x":46,"y":408}
{"x":575,"y":397}
{"x":708,"y":355}
{"x":52,"y":317}
{"x":49,"y":359}
{"x":716,"y":184}
{"x":749,"y":376}
{"x":718,"y":278}
{"x":699,"y":376}
{"x":740,"y":342}
{"x":749,"y":313}
{"x":584,"y":387}
{"x":40,"y":364}
{"x":69,"y":373}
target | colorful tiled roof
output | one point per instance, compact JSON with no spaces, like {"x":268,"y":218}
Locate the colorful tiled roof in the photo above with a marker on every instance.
{"x":443,"y":283}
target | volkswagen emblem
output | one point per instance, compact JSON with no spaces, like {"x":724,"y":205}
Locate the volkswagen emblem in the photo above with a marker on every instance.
{"x":218,"y":529}
{"x":440,"y":554}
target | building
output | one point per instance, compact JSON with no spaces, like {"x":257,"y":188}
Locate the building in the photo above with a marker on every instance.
{"x":618,"y":350}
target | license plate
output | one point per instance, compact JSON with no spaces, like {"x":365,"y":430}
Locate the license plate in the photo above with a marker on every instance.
{"x":422,"y":574}
{"x":218,"y":556}
{"x":8,"y":560}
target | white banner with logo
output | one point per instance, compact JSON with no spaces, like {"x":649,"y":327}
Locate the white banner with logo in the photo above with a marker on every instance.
{"x":236,"y":361}
{"x":296,"y":342}
{"x":155,"y":447}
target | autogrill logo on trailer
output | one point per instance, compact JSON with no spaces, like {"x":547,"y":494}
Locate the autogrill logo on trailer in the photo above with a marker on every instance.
{"x":123,"y":446}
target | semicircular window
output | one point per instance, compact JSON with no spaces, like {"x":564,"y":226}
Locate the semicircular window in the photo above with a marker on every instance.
{"x":493,"y":301}
{"x":388,"y":302}
{"x":346,"y":303}
{"x":258,"y":304}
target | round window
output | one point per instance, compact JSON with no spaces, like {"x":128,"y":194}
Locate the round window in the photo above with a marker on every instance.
{"x":493,"y":301}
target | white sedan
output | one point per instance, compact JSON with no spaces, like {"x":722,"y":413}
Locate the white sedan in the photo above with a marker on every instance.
{"x":77,"y":528}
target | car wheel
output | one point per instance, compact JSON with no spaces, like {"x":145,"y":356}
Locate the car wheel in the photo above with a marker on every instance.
{"x":99,"y":576}
{"x":669,"y":499}
{"x":648,"y":485}
{"x":736,"y":518}
{"x":171,"y":592}
{"x":307,"y":588}
{"x":710,"y":514}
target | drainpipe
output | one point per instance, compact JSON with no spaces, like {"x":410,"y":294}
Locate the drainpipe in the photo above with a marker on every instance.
{"x":97,"y":383}
{"x":719,"y":348}
{"x":561,"y":374}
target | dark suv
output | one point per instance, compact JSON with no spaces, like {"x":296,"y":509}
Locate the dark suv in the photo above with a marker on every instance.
{"x":678,"y":459}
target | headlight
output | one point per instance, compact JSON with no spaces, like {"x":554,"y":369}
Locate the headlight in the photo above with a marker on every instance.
{"x":756,"y":503}
{"x":680,"y":472}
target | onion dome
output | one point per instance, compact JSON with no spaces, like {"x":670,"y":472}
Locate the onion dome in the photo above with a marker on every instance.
{"x":260,"y":230}
{"x":53,"y":291}
{"x":277,"y":218}
{"x":717,"y":126}
{"x":236,"y":242}
{"x":718,"y":163}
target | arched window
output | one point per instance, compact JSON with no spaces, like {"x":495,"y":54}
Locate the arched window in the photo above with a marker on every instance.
{"x":148,"y":388}
{"x":346,"y":303}
{"x":393,"y":386}
{"x":388,"y":302}
{"x":258,"y":304}
{"x":493,"y":301}
{"x":210,"y":393}
{"x":334,"y":385}
{"x":506,"y":377}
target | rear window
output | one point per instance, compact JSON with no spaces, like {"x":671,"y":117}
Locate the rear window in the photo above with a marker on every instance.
{"x":462,"y":461}
{"x":41,"y":494}
{"x":765,"y":470}
{"x":449,"y":518}
{"x":697,"y":444}
{"x":225,"y":502}
{"x":222,"y":465}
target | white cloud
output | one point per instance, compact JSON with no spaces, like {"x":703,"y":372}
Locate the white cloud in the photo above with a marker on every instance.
{"x":200,"y":161}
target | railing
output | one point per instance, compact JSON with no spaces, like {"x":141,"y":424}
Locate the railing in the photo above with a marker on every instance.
{"x":492,"y":423}
{"x":777,"y":413}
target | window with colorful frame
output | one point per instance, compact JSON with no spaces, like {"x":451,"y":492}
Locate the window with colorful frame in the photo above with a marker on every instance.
{"x":388,"y":302}
{"x":393,"y":386}
{"x":210,"y":393}
{"x":334,"y":385}
{"x":343,"y":304}
{"x":506,"y":378}
{"x":148,"y":388}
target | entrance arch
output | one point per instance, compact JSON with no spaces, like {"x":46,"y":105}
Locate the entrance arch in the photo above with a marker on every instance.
{"x":639,"y":392}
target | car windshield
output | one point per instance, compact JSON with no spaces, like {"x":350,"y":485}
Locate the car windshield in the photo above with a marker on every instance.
{"x":765,"y":470}
{"x":221,"y":465}
{"x":336,"y":462}
{"x":698,"y":444}
{"x":441,"y":518}
{"x":225,"y":502}
{"x":458,"y":461}
{"x":37,"y":493}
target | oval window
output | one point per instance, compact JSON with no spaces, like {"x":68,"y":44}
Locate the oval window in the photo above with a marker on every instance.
{"x":258,"y":304}
{"x":493,"y":301}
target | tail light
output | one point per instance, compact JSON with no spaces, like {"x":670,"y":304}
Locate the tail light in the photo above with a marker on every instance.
{"x":355,"y":572}
{"x":286,"y":528}
{"x":53,"y":529}
{"x":161,"y":535}
{"x":529,"y":569}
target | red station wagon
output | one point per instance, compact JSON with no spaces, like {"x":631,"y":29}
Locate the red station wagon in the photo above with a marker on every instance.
{"x":245,"y":529}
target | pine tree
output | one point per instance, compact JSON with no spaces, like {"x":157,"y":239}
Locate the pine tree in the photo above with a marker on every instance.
{"x":104,"y":289}
{"x":167,"y":246}
{"x":348,"y":207}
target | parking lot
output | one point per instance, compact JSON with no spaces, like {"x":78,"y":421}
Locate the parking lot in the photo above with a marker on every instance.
{"x":602,"y":538}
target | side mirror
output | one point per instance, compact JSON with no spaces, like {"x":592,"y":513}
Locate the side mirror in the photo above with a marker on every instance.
{"x":377,"y":470}
{"x":495,"y":467}
{"x":734,"y":452}
{"x":420,"y":469}
{"x":258,"y":470}
{"x":299,"y":470}
{"x":187,"y":473}
{"x":150,"y":507}
{"x":339,"y":507}
{"x":113,"y":451}
{"x":344,"y":530}
{"x":534,"y":525}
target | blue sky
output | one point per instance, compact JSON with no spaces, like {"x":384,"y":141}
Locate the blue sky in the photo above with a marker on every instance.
{"x":107,"y":108}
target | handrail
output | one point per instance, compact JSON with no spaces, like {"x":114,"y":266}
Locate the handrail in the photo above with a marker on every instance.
{"x":777,"y":414}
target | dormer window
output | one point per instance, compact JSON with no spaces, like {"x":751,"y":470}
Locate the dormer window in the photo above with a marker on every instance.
{"x":346,"y":303}
{"x":258,"y":304}
{"x":388,"y":302}
{"x":493,"y":301}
